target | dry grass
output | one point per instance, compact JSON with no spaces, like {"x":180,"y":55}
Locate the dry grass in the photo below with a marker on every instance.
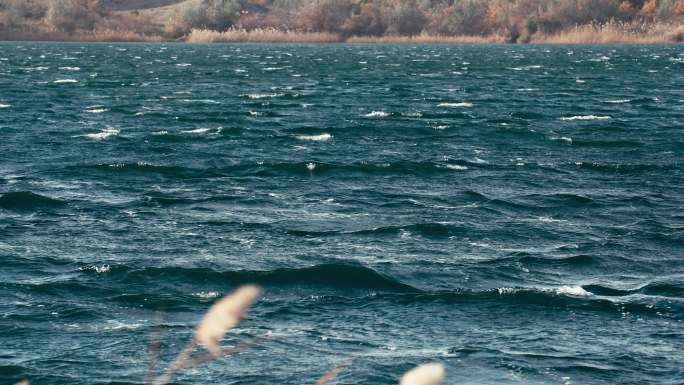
{"x":94,"y":36}
{"x":260,"y":36}
{"x":613,"y":33}
{"x":426,"y":39}
{"x":118,"y":36}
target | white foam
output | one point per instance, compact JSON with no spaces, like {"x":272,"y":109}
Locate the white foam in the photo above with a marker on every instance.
{"x":183,"y":65}
{"x":577,"y":291}
{"x":98,"y":269}
{"x":97,"y":110}
{"x":70,"y":68}
{"x":65,"y":81}
{"x":205,"y":101}
{"x":618,"y":101}
{"x":316,"y":138}
{"x":118,"y":325}
{"x":104,"y":134}
{"x":197,"y":131}
{"x":586,"y":117}
{"x":456,"y":167}
{"x":311,"y":166}
{"x":207,"y":294}
{"x":263,"y":96}
{"x":5,"y":105}
{"x":456,"y":105}
{"x":563,"y":138}
{"x":377,"y":114}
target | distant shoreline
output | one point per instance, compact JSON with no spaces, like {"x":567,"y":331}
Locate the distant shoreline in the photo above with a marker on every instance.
{"x":583,"y":34}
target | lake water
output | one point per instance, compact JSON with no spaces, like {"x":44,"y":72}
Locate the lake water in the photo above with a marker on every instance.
{"x":515,"y":212}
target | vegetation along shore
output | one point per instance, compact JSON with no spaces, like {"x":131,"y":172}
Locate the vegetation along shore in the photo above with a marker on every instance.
{"x":354,"y":21}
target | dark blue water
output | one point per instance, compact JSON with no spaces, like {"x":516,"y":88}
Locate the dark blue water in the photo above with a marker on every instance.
{"x":514,"y":212}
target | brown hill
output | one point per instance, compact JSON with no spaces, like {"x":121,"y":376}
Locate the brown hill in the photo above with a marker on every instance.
{"x":131,"y":5}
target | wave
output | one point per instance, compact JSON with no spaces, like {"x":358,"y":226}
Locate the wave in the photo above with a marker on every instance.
{"x":344,"y":276}
{"x":586,"y":117}
{"x":262,"y":95}
{"x":377,"y":114}
{"x":337,"y":275}
{"x":316,"y":138}
{"x":23,"y":200}
{"x":626,"y":168}
{"x":104,"y":134}
{"x":658,"y":288}
{"x":428,"y":230}
{"x":456,"y":105}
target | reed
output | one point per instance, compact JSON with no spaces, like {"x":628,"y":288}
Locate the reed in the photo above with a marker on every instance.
{"x":221,"y":317}
{"x":115,"y":36}
{"x":425,"y":38}
{"x":615,"y":33}
{"x":260,"y":35}
{"x":225,"y":315}
{"x":428,"y":374}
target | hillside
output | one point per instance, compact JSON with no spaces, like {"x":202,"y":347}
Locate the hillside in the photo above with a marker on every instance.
{"x":501,"y":21}
{"x":130,"y":5}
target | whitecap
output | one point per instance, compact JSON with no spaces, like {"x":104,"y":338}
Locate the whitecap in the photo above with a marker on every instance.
{"x":65,"y":81}
{"x":316,"y":138}
{"x":70,"y":68}
{"x":197,"y":131}
{"x":586,"y":117}
{"x":414,"y":114}
{"x":563,"y":138}
{"x":455,"y":105}
{"x":183,"y":65}
{"x":207,"y":294}
{"x":618,"y":101}
{"x":456,"y":167}
{"x":5,"y":105}
{"x":262,"y":96}
{"x":311,"y":166}
{"x":118,"y":325}
{"x":96,"y":110}
{"x":202,"y":101}
{"x":104,"y":134}
{"x":98,"y":269}
{"x":577,"y":291}
{"x":377,"y":114}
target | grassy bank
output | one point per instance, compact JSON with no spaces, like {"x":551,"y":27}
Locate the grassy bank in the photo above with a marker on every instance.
{"x":609,"y":33}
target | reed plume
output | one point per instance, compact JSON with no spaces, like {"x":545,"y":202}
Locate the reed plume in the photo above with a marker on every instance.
{"x":332,"y":373}
{"x":221,"y":317}
{"x":428,"y":374}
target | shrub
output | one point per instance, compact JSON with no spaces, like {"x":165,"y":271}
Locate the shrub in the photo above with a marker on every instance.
{"x":405,"y":19}
{"x":71,"y":15}
{"x":325,"y":15}
{"x":367,"y":22}
{"x":208,"y":14}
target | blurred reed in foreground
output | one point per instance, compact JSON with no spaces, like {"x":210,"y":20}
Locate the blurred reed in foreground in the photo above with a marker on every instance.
{"x":224,"y":315}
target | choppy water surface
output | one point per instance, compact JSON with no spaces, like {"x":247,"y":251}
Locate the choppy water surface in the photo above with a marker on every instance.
{"x":512,"y":211}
